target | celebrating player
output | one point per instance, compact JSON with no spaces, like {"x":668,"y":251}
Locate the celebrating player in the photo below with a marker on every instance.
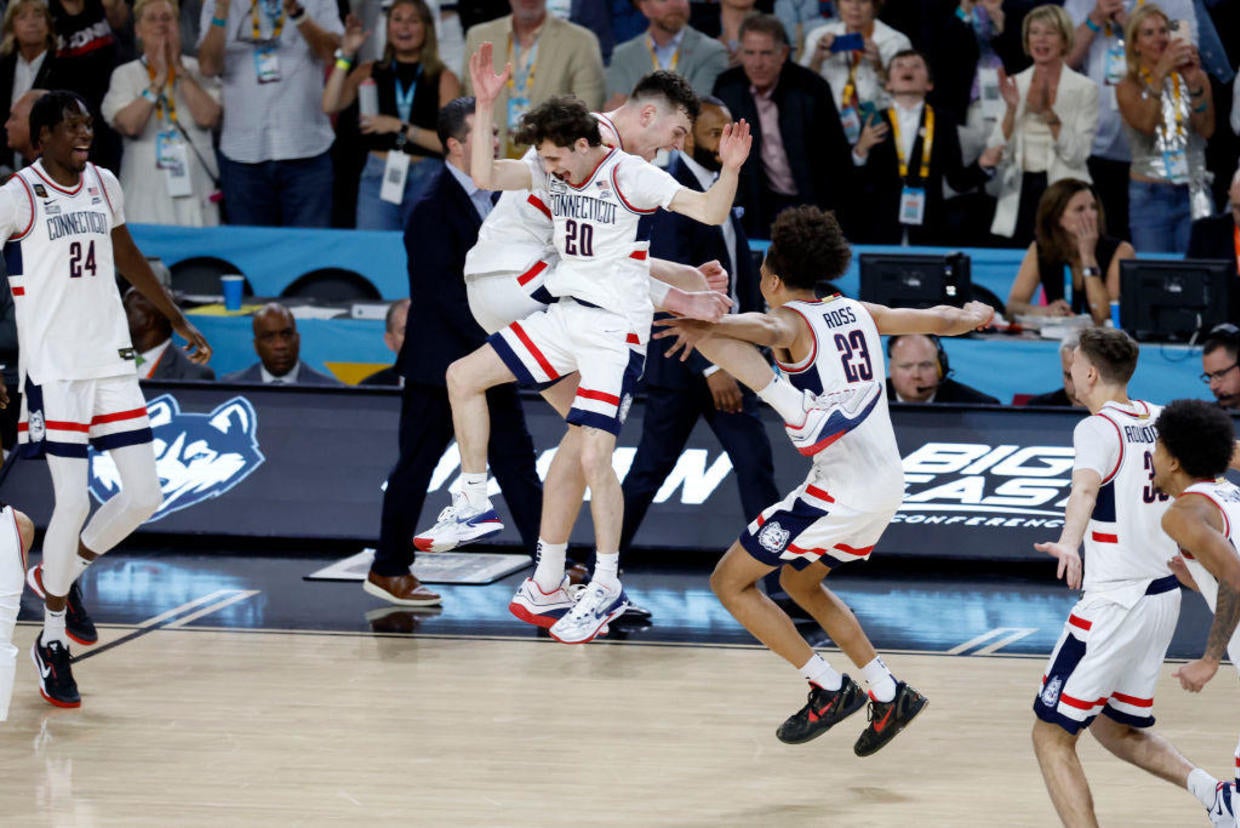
{"x":1112,"y":647}
{"x":855,"y":486}
{"x":64,"y":221}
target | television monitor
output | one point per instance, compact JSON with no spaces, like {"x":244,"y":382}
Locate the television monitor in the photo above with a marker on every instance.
{"x":1171,"y":300}
{"x":916,"y":281}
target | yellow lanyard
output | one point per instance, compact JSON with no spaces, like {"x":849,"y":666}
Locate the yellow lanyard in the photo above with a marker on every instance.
{"x":167,"y":95}
{"x":257,"y":31}
{"x":927,"y":141}
{"x":527,"y":80}
{"x":1148,"y":77}
{"x":654,"y":58}
{"x":850,"y":88}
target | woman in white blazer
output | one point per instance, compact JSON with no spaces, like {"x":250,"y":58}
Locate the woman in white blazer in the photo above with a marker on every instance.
{"x":1048,"y":129}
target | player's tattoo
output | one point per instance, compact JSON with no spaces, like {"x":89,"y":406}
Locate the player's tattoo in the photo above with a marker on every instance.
{"x":1226,"y":615}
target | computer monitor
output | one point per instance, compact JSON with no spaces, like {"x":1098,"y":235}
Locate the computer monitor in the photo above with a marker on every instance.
{"x":916,"y":281}
{"x":1170,"y":300}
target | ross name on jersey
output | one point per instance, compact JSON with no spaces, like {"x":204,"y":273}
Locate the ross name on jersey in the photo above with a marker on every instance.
{"x":584,"y":207}
{"x":71,"y":224}
{"x":1140,"y":434}
{"x":839,"y":317}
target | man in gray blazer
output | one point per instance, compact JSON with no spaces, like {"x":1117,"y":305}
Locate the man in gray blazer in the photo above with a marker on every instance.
{"x":278,"y":345}
{"x":668,"y":43}
{"x":158,"y":356}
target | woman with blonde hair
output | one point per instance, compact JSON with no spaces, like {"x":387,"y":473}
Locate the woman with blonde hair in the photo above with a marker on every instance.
{"x":411,"y":85}
{"x":165,"y":109}
{"x":27,"y":60}
{"x":1072,"y":259}
{"x":1048,"y":128}
{"x":1168,"y":114}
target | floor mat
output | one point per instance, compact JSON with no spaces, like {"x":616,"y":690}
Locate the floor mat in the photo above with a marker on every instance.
{"x":440,"y":568}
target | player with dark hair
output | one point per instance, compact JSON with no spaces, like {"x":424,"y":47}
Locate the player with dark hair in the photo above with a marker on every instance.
{"x":1109,"y":656}
{"x":1196,"y":445}
{"x":832,"y":349}
{"x":64,"y":221}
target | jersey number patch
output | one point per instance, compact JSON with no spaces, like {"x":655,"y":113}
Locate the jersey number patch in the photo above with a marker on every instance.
{"x":578,"y":238}
{"x":79,"y":265}
{"x":855,"y":356}
{"x":1151,"y":493}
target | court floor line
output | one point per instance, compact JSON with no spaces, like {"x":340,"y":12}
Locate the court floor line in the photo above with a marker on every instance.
{"x":155,"y":623}
{"x":216,"y":607}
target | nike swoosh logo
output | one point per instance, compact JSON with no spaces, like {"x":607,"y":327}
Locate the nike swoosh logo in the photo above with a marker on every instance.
{"x":881,"y":724}
{"x":45,"y":671}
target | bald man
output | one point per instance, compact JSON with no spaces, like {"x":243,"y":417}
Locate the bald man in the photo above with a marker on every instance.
{"x":278,"y":345}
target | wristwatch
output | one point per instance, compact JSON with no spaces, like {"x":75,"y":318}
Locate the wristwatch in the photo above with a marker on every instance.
{"x":1088,"y":272}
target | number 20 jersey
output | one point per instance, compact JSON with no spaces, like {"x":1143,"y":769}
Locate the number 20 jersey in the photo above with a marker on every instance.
{"x":863,"y":469}
{"x":58,"y":251}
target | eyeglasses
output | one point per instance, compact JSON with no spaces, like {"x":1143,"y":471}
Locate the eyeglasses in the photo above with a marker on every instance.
{"x":1208,"y":377}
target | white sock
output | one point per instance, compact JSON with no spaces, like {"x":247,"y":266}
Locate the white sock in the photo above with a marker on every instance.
{"x":54,"y":627}
{"x":549,"y":565}
{"x":1203,"y":786}
{"x":880,"y":681}
{"x":606,"y":569}
{"x":79,"y":566}
{"x":818,"y":671}
{"x":787,"y":401}
{"x":474,"y":487}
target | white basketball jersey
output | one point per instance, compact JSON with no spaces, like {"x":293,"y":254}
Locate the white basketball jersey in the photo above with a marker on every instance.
{"x":1124,"y":541}
{"x":863,"y":469}
{"x":600,"y":237}
{"x":517,"y":232}
{"x":70,"y":321}
{"x":1226,"y":497}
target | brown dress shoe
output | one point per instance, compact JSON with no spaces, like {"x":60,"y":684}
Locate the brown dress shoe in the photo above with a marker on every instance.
{"x":405,"y":590}
{"x":578,"y":573}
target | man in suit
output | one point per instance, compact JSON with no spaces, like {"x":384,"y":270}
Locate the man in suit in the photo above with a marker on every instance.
{"x":394,"y":338}
{"x":918,"y":371}
{"x":441,"y":230}
{"x":679,"y":393}
{"x":798,"y":142}
{"x":1218,"y":237}
{"x":904,"y":154}
{"x":1065,"y":395}
{"x":278,"y":345}
{"x":549,"y":56}
{"x":668,"y":43}
{"x":151,"y":332}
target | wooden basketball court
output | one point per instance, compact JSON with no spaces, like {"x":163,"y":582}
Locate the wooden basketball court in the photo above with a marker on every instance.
{"x":214,"y":726}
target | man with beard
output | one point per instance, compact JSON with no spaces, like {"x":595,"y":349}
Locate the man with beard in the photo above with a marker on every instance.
{"x":1220,"y":365}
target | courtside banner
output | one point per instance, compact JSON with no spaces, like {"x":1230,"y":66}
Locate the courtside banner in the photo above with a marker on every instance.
{"x":311,"y":463}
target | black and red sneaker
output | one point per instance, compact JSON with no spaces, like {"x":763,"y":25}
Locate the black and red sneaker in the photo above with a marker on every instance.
{"x":56,"y":684}
{"x":824,"y":710}
{"x":78,"y":624}
{"x":889,"y":718}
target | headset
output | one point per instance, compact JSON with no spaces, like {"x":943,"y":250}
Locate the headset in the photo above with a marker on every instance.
{"x":1225,"y":335}
{"x":945,"y":367}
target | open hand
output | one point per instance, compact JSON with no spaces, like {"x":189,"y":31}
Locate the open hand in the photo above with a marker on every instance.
{"x":354,"y":36}
{"x":196,"y":347}
{"x":1008,"y":90}
{"x":725,"y":392}
{"x":706,"y":305}
{"x":1069,"y":562}
{"x":874,"y":132}
{"x":734,"y":144}
{"x":688,"y":333}
{"x":486,"y":84}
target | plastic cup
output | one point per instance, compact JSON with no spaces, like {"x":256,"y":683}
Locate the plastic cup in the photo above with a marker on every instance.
{"x":232,"y":286}
{"x":1115,"y":314}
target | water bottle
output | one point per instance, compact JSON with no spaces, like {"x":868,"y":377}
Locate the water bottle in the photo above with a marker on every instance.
{"x":1115,"y":314}
{"x":367,"y":98}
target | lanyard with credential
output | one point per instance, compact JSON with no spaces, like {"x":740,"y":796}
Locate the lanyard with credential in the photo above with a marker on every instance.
{"x":927,"y":141}
{"x":524,"y":69}
{"x":654,"y":58}
{"x":277,"y":20}
{"x":404,"y":97}
{"x":1148,"y":77}
{"x":166,"y":94}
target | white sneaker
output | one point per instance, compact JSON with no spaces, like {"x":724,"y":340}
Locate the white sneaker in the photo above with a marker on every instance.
{"x":542,"y":609}
{"x":458,"y":524}
{"x":1221,"y":812}
{"x":596,"y":607}
{"x":831,"y":415}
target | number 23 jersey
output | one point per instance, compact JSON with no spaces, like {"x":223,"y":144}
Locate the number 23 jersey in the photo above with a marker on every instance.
{"x":58,"y":251}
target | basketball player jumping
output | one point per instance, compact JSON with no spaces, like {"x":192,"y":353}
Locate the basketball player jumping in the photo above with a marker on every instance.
{"x":1112,"y":647}
{"x":855,"y":486}
{"x":64,"y":222}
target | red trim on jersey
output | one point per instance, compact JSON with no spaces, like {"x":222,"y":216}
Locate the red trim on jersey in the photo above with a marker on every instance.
{"x":601,"y":396}
{"x":33,"y":212}
{"x":19,"y":291}
{"x":537,"y":203}
{"x":39,"y":172}
{"x":632,"y":339}
{"x":593,"y":172}
{"x":1078,"y":621}
{"x":1219,"y":506}
{"x":1133,"y":700}
{"x":1102,"y":537}
{"x":821,"y":494}
{"x":615,"y":185}
{"x":103,"y":189}
{"x":542,"y":361}
{"x":804,"y":364}
{"x":640,"y":255}
{"x":132,"y":414}
{"x":1120,"y":434}
{"x":1080,"y":704}
{"x":525,"y":277}
{"x":852,"y":550}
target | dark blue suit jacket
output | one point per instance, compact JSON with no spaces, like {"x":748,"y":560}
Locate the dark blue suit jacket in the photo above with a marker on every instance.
{"x":679,"y":238}
{"x":441,"y":329}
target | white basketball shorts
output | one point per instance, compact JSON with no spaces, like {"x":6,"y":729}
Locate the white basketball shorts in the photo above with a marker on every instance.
{"x":62,"y":417}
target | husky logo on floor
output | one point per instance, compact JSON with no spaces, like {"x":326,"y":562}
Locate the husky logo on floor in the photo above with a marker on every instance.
{"x":198,"y":456}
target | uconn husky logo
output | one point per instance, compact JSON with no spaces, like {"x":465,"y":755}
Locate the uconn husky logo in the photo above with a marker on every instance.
{"x":198,"y":456}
